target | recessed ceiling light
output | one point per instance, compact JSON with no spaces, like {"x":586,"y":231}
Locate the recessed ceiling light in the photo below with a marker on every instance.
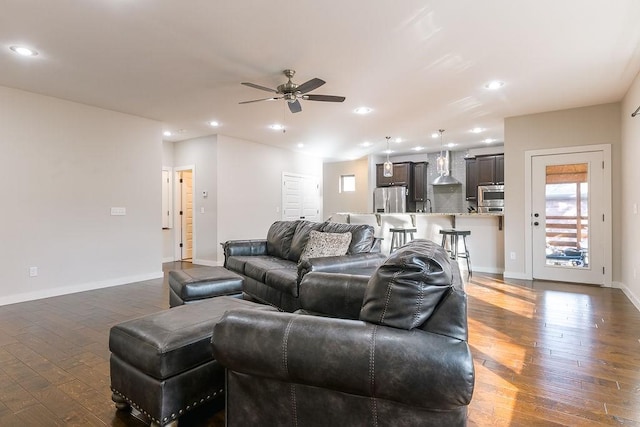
{"x":214,"y":124}
{"x":488,"y":140}
{"x":276,"y":126}
{"x":300,"y":145}
{"x":418,"y":148}
{"x":362,"y":110}
{"x":494,"y":84}
{"x":166,"y":133}
{"x":477,"y":130}
{"x":398,"y":140}
{"x":24,"y":51}
{"x":451,"y":145}
{"x":366,"y":144}
{"x":435,"y":135}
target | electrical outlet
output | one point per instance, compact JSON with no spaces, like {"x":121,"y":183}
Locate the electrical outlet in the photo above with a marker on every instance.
{"x":118,"y":211}
{"x":513,"y":256}
{"x":33,"y":271}
{"x":635,"y":209}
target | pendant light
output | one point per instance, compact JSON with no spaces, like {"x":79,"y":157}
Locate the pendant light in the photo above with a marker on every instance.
{"x":387,"y":167}
{"x":442,"y":164}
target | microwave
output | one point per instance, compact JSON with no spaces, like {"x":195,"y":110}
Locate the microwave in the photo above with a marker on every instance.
{"x":490,"y":196}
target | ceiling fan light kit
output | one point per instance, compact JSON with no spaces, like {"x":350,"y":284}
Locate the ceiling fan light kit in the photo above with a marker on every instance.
{"x":293,"y":93}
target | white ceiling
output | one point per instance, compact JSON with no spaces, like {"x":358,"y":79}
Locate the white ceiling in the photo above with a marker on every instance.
{"x":421,"y":65}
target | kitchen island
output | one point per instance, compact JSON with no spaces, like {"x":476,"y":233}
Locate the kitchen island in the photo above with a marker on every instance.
{"x":486,"y":242}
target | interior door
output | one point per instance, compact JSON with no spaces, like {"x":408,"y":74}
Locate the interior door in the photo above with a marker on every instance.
{"x":186,"y":213}
{"x":300,"y":197}
{"x":567,"y":217}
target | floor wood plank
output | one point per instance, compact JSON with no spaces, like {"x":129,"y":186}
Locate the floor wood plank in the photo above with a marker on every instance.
{"x":546,"y":354}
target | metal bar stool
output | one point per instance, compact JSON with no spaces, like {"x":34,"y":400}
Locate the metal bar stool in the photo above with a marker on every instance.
{"x":453,"y":244}
{"x":399,"y":236}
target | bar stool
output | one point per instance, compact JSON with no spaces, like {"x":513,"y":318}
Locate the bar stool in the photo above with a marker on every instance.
{"x":453,"y":244}
{"x":399,"y":236}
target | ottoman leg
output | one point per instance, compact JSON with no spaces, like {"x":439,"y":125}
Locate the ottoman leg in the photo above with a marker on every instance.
{"x":173,"y":423}
{"x":121,"y":403}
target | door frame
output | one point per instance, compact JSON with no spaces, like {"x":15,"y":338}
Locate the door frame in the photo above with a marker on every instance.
{"x":177,"y":218}
{"x":607,"y":226}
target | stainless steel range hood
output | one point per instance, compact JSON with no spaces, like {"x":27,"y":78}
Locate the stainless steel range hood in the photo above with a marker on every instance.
{"x":446,"y":179}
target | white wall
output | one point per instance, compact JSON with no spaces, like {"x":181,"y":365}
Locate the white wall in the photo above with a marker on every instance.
{"x":336,"y":201}
{"x":64,"y":165}
{"x":630,"y":195}
{"x":599,"y":124}
{"x":201,"y":153}
{"x":249,"y":186}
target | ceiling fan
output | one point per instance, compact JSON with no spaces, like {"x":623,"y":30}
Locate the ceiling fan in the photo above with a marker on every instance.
{"x":292,"y":92}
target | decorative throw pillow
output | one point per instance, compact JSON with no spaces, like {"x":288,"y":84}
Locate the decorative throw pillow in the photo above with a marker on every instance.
{"x":326,"y":244}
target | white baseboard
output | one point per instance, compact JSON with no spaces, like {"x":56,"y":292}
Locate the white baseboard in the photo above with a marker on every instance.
{"x":64,"y":290}
{"x":168,"y":259}
{"x":632,"y":297}
{"x":206,"y":262}
{"x":490,"y":270}
{"x":515,"y":275}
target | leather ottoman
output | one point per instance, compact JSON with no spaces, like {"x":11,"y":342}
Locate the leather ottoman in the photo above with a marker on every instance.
{"x":195,"y":284}
{"x":162,"y":363}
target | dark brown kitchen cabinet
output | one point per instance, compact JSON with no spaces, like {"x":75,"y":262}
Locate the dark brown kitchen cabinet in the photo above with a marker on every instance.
{"x":471,"y":184}
{"x":402,"y":175}
{"x":483,"y":170}
{"x":420,"y":181}
{"x":490,"y":169}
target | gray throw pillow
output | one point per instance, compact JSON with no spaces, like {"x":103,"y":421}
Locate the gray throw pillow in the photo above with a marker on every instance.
{"x":326,"y":244}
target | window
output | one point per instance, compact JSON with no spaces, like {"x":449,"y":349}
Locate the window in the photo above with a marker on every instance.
{"x":347,"y":183}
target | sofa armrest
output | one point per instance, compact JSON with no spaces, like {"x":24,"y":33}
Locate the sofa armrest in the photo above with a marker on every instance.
{"x":333,"y":294}
{"x":340,"y":264}
{"x":411,"y":367}
{"x":244,"y":248}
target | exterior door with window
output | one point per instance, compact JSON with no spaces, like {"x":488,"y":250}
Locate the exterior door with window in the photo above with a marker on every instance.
{"x":567,"y":217}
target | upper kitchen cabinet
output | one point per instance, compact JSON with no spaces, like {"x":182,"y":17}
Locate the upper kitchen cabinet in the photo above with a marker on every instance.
{"x":402,"y":175}
{"x":420,"y":181}
{"x":483,"y":170}
{"x":490,"y":169}
{"x":471,"y":183}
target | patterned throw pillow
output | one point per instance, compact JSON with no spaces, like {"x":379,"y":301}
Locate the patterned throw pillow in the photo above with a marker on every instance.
{"x":326,"y":244}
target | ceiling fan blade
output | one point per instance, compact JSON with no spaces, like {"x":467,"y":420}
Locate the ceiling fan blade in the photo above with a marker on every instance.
{"x":263,"y":99}
{"x":295,"y":106}
{"x":255,"y":86}
{"x":310,"y":85}
{"x":326,"y":98}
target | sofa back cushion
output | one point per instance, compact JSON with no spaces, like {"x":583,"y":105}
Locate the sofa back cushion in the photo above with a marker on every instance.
{"x":301,"y":236}
{"x":406,"y":289}
{"x":279,"y":238}
{"x":361,"y":235}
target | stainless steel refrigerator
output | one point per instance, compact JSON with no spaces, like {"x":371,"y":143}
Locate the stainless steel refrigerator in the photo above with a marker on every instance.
{"x":390,"y":199}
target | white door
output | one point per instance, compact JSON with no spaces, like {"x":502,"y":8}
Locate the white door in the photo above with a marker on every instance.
{"x":568,"y":217}
{"x":300,"y":197}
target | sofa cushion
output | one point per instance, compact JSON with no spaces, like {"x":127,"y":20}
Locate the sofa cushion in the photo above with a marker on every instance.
{"x":256,"y":267}
{"x":361,"y":235}
{"x":236,"y":263}
{"x":279,"y":238}
{"x":284,"y":280}
{"x":301,"y":236}
{"x":322,"y":244}
{"x":406,"y":289}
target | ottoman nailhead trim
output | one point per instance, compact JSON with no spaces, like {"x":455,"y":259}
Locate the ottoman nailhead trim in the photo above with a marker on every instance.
{"x":174,"y":415}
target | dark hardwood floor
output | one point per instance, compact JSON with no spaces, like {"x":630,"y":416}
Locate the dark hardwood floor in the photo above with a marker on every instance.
{"x":545,"y":353}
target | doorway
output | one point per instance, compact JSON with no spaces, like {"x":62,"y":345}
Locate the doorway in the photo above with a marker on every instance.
{"x":184,"y":214}
{"x":300,"y":197}
{"x":570,"y":212}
